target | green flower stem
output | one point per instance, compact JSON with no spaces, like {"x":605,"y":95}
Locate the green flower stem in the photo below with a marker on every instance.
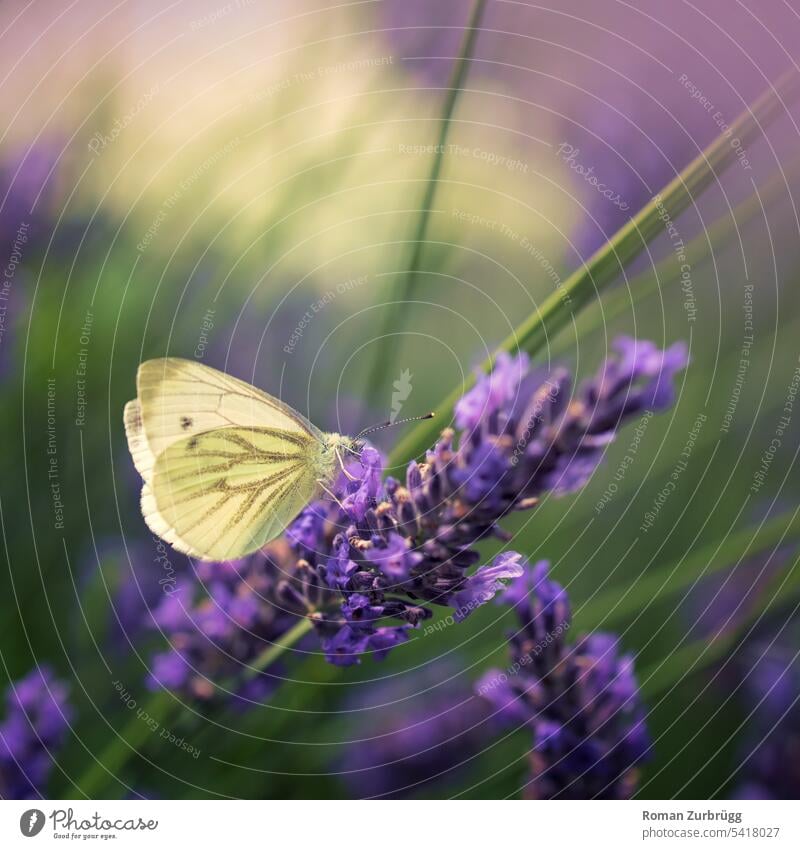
{"x":584,"y":284}
{"x":404,"y":292}
{"x":153,"y":715}
{"x":668,"y":271}
{"x":273,"y":652}
{"x":135,"y":734}
{"x":246,"y":733}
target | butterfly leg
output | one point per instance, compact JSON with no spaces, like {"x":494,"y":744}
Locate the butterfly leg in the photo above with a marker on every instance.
{"x":347,"y":474}
{"x":330,"y":492}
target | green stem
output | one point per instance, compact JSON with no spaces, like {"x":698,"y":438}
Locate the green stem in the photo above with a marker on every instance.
{"x":404,"y":292}
{"x":124,"y":745}
{"x":453,"y":91}
{"x":273,"y":652}
{"x":668,"y":271}
{"x":605,"y":264}
{"x":158,"y":709}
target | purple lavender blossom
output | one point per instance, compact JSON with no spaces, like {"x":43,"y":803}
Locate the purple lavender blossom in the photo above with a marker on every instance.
{"x":219,"y":624}
{"x":34,"y":728}
{"x":368,"y":568}
{"x":484,"y":585}
{"x":579,"y":701}
{"x":627,"y":132}
{"x":26,"y":188}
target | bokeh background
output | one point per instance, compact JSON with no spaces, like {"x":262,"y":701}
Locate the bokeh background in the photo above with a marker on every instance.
{"x":240,"y":183}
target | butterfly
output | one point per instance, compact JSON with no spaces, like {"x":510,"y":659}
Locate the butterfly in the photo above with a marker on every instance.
{"x":226,"y":467}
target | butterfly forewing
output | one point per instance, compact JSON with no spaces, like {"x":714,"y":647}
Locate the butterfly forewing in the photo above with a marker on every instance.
{"x":179,"y":398}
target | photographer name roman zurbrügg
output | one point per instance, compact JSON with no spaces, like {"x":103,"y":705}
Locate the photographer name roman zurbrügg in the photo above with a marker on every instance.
{"x":64,"y":820}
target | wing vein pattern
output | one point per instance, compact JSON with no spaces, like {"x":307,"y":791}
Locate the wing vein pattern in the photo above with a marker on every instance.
{"x":225,"y":466}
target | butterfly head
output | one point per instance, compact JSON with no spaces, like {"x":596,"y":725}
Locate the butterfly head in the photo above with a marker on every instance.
{"x":337,"y":443}
{"x":337,"y":446}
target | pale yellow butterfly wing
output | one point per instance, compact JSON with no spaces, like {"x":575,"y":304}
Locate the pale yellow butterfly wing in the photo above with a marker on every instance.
{"x":238,"y":491}
{"x":222,"y":494}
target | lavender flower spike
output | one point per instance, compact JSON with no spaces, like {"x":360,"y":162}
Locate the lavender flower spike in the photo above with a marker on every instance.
{"x":580,"y":701}
{"x":368,"y":567}
{"x":218,"y":624}
{"x":34,"y":728}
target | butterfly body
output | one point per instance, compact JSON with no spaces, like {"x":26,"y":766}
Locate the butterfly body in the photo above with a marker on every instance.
{"x":226,"y":467}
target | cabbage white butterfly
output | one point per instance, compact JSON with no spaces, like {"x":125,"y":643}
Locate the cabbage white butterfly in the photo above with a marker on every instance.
{"x":226,"y":467}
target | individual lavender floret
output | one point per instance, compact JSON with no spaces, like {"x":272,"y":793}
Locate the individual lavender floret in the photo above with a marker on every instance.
{"x":34,"y":728}
{"x":580,"y":701}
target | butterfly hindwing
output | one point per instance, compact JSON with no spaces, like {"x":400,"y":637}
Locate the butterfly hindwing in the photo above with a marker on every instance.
{"x":221,"y":494}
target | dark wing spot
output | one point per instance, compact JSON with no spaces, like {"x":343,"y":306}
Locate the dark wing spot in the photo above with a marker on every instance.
{"x":186,"y":422}
{"x":192,"y":443}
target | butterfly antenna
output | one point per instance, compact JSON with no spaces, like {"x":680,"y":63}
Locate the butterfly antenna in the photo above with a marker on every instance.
{"x":391,"y":423}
